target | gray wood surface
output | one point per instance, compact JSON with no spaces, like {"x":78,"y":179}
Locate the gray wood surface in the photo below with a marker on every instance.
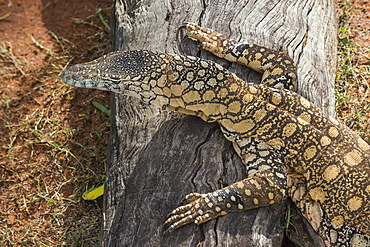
{"x":156,"y":157}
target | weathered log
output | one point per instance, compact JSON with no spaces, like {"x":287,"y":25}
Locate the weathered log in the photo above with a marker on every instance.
{"x":156,"y":157}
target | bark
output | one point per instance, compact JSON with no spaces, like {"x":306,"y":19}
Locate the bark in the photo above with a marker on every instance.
{"x":157,"y":157}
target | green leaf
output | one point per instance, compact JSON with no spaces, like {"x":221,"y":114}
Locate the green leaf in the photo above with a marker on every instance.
{"x":102,"y":108}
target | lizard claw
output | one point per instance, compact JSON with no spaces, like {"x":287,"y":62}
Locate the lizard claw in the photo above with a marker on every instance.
{"x":180,"y":30}
{"x":200,"y":208}
{"x":183,"y":26}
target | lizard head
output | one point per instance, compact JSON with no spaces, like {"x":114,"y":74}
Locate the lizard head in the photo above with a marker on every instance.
{"x":168,"y":81}
{"x":127,"y":72}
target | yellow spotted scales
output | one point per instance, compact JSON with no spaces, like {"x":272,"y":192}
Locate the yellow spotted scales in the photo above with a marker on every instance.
{"x":289,"y":147}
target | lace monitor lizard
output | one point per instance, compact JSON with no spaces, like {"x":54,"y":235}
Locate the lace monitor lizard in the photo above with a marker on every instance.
{"x":288,"y":145}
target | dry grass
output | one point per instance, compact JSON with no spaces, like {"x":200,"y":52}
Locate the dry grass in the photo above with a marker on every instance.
{"x":353,"y":76}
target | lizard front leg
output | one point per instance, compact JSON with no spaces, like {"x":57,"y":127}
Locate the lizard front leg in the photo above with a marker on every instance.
{"x":278,"y":69}
{"x":262,"y":189}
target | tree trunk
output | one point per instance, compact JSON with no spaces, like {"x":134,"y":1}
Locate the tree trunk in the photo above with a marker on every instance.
{"x":157,"y":157}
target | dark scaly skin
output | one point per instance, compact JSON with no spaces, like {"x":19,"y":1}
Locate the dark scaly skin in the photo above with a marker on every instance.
{"x":290,"y":148}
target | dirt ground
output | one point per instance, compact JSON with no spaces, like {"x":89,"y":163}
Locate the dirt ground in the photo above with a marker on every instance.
{"x":53,"y":140}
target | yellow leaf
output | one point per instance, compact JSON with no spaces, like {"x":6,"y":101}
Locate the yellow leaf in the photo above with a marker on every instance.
{"x":93,"y":193}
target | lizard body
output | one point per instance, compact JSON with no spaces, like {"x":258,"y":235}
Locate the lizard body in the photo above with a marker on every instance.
{"x":288,"y":145}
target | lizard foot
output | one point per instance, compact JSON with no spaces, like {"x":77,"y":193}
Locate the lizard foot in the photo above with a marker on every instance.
{"x":210,"y":40}
{"x":199,"y":208}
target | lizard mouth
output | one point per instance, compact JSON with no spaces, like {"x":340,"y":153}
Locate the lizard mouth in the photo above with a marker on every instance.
{"x":80,"y":75}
